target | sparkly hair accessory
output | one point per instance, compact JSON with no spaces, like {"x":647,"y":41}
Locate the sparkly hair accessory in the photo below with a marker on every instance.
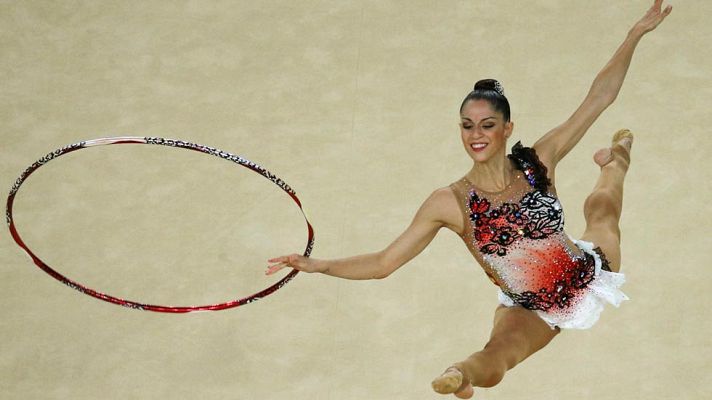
{"x":498,"y":88}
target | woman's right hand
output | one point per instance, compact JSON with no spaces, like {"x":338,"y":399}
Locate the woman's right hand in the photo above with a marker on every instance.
{"x":296,"y":261}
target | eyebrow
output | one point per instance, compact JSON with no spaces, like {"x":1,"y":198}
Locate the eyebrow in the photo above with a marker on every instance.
{"x":463,"y":117}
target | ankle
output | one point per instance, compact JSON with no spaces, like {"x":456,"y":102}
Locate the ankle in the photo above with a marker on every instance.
{"x":481,"y":373}
{"x":621,"y":155}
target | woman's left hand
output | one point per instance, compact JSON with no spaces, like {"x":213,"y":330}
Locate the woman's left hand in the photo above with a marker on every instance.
{"x":652,"y":18}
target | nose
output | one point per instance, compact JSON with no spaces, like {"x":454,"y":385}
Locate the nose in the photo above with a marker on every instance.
{"x":476,"y":133}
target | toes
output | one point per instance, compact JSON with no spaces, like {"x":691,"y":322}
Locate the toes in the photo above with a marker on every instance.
{"x":452,"y":381}
{"x":623,"y":137}
{"x":626,"y":142}
{"x":449,"y":382}
{"x":623,"y":133}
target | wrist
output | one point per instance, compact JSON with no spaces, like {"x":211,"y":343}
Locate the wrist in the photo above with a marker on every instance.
{"x":636,"y":32}
{"x":320,"y":266}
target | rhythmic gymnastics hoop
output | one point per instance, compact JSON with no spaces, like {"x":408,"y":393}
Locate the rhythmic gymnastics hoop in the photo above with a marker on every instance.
{"x":163,"y":142}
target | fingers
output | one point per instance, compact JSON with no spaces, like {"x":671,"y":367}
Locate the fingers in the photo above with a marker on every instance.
{"x":662,"y":15}
{"x":274,"y":268}
{"x":282,"y":262}
{"x":657,"y":8}
{"x":279,"y":259}
{"x":667,"y":11}
{"x":654,"y":17}
{"x":296,"y":261}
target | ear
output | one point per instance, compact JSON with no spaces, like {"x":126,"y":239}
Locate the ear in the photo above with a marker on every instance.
{"x":508,"y":129}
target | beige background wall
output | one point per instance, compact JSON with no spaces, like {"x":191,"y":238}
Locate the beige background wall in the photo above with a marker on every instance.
{"x":354,"y":104}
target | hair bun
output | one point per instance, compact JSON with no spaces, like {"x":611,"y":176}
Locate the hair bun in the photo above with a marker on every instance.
{"x":490,"y":84}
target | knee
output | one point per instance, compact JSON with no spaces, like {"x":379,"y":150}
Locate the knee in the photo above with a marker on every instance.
{"x":515,"y":345}
{"x":599,"y":197}
{"x":601,"y":203}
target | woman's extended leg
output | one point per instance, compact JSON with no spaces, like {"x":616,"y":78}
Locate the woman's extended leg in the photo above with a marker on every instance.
{"x":603,"y":206}
{"x":517,"y":333}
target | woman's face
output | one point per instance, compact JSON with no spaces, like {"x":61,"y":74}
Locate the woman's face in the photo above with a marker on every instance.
{"x":483,"y":130}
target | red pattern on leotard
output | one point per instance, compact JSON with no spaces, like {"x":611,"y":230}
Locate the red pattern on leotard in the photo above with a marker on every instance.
{"x":518,"y":237}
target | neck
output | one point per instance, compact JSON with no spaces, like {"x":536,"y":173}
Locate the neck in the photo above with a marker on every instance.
{"x":493,"y":175}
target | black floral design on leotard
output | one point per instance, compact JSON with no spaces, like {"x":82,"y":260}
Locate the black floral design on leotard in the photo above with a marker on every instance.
{"x":537,"y":215}
{"x":546,"y":216}
{"x":492,"y":227}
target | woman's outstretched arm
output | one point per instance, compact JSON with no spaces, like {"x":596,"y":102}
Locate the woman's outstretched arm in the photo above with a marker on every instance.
{"x":555,"y":144}
{"x":431,"y":216}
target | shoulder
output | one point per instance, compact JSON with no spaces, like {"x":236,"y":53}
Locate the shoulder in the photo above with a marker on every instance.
{"x":442,"y":207}
{"x":442,"y":197}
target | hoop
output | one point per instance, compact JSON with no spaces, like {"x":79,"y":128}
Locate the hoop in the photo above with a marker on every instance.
{"x":163,"y":142}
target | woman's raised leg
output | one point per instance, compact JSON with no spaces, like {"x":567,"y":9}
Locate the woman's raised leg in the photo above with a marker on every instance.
{"x":602,"y":208}
{"x":517,"y":333}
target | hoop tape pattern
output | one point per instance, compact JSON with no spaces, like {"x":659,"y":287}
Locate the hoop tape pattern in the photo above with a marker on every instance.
{"x":163,"y":142}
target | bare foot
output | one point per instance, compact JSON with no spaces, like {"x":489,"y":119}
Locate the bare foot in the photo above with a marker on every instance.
{"x":623,"y":138}
{"x":452,"y":381}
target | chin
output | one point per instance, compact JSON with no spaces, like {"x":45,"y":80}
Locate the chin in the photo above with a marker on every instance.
{"x":488,"y":153}
{"x":480,"y":157}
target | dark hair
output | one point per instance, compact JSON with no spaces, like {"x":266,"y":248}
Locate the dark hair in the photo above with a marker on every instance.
{"x":491,"y":91}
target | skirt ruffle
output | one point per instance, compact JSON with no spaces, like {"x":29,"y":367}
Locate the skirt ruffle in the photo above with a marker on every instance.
{"x":605,"y":288}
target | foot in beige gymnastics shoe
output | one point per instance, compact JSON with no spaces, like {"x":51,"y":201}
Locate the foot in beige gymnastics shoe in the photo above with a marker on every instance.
{"x":452,"y":381}
{"x":623,"y":138}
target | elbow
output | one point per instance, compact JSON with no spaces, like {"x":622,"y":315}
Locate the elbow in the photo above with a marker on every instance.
{"x":608,"y":99}
{"x":381,"y":275}
{"x":385,"y":269}
{"x":603,"y":98}
{"x":604,"y":95}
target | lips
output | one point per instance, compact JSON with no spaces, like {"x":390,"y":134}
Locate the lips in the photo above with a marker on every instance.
{"x":478,"y":146}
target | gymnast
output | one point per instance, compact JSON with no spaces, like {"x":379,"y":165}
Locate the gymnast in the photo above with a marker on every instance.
{"x":507,"y":212}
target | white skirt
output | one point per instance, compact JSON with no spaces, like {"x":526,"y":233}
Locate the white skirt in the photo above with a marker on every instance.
{"x":605,"y":288}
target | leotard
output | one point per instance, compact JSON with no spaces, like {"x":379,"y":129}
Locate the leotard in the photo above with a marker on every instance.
{"x":517,"y":236}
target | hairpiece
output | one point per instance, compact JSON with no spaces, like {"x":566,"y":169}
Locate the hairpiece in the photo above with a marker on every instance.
{"x":498,"y":88}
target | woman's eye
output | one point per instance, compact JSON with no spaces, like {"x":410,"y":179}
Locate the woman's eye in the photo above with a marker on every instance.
{"x":488,"y":126}
{"x":467,"y":126}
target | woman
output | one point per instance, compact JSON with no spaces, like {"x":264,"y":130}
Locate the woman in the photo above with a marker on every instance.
{"x":506,"y":210}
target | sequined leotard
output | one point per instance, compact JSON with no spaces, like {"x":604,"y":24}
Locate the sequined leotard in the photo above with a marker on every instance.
{"x":518,"y":237}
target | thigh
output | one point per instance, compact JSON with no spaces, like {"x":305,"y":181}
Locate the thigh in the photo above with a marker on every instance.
{"x":609,"y":243}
